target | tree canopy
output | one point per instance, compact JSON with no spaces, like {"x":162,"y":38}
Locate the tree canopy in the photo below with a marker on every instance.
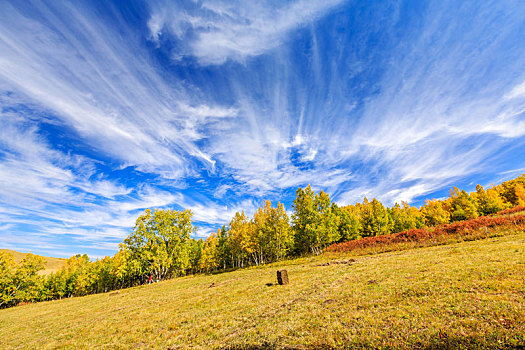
{"x":161,"y":245}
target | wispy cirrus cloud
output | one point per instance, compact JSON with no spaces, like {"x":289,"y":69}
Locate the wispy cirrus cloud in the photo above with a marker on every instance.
{"x":214,"y":106}
{"x":433,"y":113}
{"x":63,"y":201}
{"x":103,"y":86}
{"x":220,"y":30}
{"x":445,"y":104}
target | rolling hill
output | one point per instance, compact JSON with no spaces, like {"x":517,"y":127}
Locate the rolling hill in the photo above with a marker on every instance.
{"x":468,"y":294}
{"x":52,"y":264}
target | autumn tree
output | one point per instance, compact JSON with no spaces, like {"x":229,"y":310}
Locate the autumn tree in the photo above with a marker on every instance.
{"x":350,"y":222}
{"x":242,"y":244}
{"x":272,"y":234}
{"x":329,"y":221}
{"x":462,"y":206}
{"x":375,"y":218}
{"x":8,"y":289}
{"x":513,"y":191}
{"x":20,"y":282}
{"x":405,"y":217}
{"x":435,"y":212}
{"x":519,"y":195}
{"x":196,"y":247}
{"x":210,"y":255}
{"x":489,"y":201}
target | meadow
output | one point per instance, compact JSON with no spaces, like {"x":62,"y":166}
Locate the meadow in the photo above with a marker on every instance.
{"x":461,"y":295}
{"x":162,"y":245}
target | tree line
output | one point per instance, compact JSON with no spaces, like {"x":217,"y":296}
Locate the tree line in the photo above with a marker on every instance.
{"x":160,"y":245}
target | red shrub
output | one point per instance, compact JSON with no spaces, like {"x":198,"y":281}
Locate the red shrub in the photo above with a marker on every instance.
{"x":510,"y":210}
{"x":461,"y":229}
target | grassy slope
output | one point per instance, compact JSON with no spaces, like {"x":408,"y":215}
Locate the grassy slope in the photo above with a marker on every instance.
{"x":52,"y":264}
{"x":470,"y":293}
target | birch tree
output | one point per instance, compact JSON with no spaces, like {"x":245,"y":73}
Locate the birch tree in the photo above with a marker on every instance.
{"x":160,"y":242}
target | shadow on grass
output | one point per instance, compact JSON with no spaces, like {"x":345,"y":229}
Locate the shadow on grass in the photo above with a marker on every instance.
{"x":266,"y":345}
{"x":434,"y":343}
{"x":472,"y":342}
{"x":263,"y":346}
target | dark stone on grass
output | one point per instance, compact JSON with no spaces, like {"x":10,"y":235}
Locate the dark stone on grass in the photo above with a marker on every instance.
{"x":282,"y":277}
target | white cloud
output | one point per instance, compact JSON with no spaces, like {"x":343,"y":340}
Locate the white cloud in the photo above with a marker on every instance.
{"x":103,"y":86}
{"x":235,"y":29}
{"x":363,"y":108}
{"x":6,"y":227}
{"x":440,"y":112}
{"x":517,"y":91}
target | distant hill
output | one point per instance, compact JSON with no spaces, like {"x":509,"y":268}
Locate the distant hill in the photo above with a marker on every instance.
{"x":52,"y":264}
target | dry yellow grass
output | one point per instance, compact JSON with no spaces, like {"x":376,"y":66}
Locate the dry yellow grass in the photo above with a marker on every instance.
{"x":51,"y":264}
{"x":468,"y":295}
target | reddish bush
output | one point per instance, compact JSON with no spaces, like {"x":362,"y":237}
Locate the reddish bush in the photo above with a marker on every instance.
{"x":510,"y":211}
{"x":461,"y":229}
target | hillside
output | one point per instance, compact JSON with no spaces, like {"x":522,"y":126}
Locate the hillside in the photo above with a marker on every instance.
{"x":470,"y":294}
{"x":52,"y":264}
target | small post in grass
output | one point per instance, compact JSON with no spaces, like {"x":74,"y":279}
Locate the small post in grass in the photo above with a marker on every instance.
{"x":282,"y":277}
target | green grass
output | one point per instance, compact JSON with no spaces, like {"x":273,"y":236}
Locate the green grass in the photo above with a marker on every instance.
{"x":463,"y":295}
{"x":51,"y":264}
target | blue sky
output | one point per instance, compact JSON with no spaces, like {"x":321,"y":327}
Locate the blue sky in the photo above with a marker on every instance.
{"x":108,"y":108}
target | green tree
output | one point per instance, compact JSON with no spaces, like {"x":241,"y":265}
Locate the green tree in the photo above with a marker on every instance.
{"x":315,"y":221}
{"x":462,"y":206}
{"x":328,"y":223}
{"x":405,"y":217}
{"x":8,"y":290}
{"x":196,"y":250}
{"x":20,"y":283}
{"x":350,"y":223}
{"x":224,"y":251}
{"x":160,"y":243}
{"x":489,"y":201}
{"x":304,"y":214}
{"x":272,"y":233}
{"x":376,"y":220}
